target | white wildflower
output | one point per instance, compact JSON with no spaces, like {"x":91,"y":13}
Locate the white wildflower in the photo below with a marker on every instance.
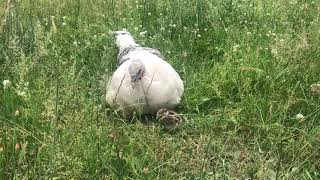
{"x":315,"y":87}
{"x":184,"y":54}
{"x":293,"y":2}
{"x":64,"y":24}
{"x":205,"y":29}
{"x":174,"y":25}
{"x":274,"y":51}
{"x":6,"y":84}
{"x":75,"y":42}
{"x":17,"y":113}
{"x":199,"y":35}
{"x":235,"y":48}
{"x":22,"y":94}
{"x":143,"y":33}
{"x":268,"y":33}
{"x":300,"y":116}
{"x":149,"y":13}
{"x":64,"y":17}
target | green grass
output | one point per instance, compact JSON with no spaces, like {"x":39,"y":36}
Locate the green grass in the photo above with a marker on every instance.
{"x":247,"y":68}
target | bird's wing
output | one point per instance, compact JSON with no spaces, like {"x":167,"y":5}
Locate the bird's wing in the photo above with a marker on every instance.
{"x":154,"y":51}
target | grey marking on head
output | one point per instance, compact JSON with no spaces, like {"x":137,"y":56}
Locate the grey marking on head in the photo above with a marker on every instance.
{"x":155,"y":52}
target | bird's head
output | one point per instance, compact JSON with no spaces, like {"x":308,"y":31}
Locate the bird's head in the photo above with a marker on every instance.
{"x":124,"y":39}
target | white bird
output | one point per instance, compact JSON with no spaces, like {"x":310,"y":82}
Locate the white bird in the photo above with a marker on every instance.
{"x":144,"y":82}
